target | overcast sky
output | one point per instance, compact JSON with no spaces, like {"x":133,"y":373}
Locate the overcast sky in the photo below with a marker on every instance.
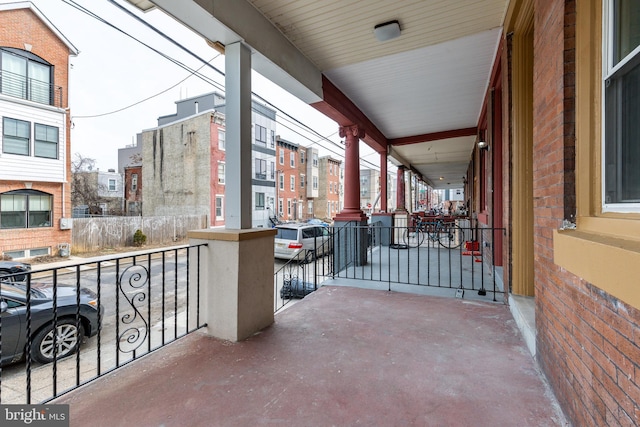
{"x":112,"y":71}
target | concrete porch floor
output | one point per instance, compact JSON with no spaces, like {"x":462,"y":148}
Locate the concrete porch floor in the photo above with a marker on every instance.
{"x":342,"y":356}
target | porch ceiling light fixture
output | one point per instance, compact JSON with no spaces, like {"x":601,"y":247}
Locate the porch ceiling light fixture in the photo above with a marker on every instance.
{"x":483,"y":144}
{"x":387,"y":31}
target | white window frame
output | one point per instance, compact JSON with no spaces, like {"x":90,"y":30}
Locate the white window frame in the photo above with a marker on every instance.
{"x":219,"y":197}
{"x":113,"y":187}
{"x":281,"y":156}
{"x":609,"y":71}
{"x":292,"y":183}
{"x":221,"y":176}
{"x":292,"y":159}
{"x":222,"y":140}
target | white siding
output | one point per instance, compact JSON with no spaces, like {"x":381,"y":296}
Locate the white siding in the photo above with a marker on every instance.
{"x":29,"y":168}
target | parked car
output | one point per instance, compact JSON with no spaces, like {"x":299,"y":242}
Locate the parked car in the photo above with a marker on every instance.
{"x":296,"y":288}
{"x":13,"y":309}
{"x":14,"y":271}
{"x":303,"y":242}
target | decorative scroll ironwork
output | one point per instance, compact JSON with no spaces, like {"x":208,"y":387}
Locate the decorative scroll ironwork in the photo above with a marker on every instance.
{"x":133,"y":280}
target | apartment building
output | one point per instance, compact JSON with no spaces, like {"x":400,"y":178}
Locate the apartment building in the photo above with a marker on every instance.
{"x":328,"y":202}
{"x":184,"y":162}
{"x":35,"y":163}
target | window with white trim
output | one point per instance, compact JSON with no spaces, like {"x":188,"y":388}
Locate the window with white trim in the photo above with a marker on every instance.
{"x":281,"y":156}
{"x":292,"y":159}
{"x":222,"y":140}
{"x":45,"y":141}
{"x":221,"y":172}
{"x":112,"y":184}
{"x":134,"y":182}
{"x":219,"y":207}
{"x":292,"y":183}
{"x":281,"y":182}
{"x":621,"y":107}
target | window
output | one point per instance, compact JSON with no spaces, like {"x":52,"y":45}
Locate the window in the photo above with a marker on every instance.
{"x":219,"y":207}
{"x":25,"y":75}
{"x":301,"y":181}
{"x":280,"y":207}
{"x":281,"y":156}
{"x":222,"y":140}
{"x":301,"y":156}
{"x":134,"y":182}
{"x":292,"y":183}
{"x":273,"y":170}
{"x":259,"y":201}
{"x":289,"y":208}
{"x":112,"y":184}
{"x":261,"y":169}
{"x":281,"y":181}
{"x":273,"y":138}
{"x":292,"y":159}
{"x":315,"y":182}
{"x":310,"y":207}
{"x":261,"y":135}
{"x":315,"y":159}
{"x":46,"y":141}
{"x":221,"y":172}
{"x":25,"y":209}
{"x":330,"y":169}
{"x":622,"y":108}
{"x":15,"y":136}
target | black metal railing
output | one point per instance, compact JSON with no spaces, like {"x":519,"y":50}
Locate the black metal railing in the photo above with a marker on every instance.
{"x":19,"y":86}
{"x":457,"y":257}
{"x":122,"y":308}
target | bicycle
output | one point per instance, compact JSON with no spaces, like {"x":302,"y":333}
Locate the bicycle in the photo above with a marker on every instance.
{"x":448,"y":234}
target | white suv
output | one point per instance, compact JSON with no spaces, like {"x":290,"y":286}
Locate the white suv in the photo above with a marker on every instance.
{"x":301,"y":241}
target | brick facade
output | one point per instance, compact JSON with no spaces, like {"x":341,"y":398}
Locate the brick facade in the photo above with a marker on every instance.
{"x":587,"y":340}
{"x":23,"y":29}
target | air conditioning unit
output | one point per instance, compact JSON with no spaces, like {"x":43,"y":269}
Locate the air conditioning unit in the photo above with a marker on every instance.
{"x":66,"y":223}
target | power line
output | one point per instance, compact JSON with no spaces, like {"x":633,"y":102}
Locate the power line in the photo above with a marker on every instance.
{"x":294,"y":121}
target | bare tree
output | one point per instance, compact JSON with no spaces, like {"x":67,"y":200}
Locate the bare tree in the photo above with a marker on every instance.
{"x":84,"y":182}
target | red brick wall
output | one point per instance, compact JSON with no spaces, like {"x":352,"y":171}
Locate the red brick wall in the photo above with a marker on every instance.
{"x":23,"y":26}
{"x":587,"y":341}
{"x":29,"y":238}
{"x":217,"y":155}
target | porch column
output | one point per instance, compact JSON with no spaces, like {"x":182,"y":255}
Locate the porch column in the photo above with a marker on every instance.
{"x":400,"y":193}
{"x":238,"y":133}
{"x":350,"y":242}
{"x":383,"y":182}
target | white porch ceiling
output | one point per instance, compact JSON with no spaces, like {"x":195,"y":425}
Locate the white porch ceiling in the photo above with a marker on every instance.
{"x":432,"y":78}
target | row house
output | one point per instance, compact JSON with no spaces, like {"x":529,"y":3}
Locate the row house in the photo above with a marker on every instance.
{"x":183,"y":160}
{"x":328,"y":203}
{"x":290,"y":182}
{"x":35,"y":163}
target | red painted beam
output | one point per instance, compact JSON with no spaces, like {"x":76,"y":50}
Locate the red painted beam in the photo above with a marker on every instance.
{"x":341,"y":109}
{"x":435,"y":136}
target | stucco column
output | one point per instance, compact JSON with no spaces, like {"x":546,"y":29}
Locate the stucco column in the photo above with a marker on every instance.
{"x":236,"y":298}
{"x":238,"y":133}
{"x":400,"y":193}
{"x":351,"y":210}
{"x":383,"y":182}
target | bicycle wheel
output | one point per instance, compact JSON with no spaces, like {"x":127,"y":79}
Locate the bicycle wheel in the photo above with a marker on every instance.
{"x":413,"y":237}
{"x":450,"y":236}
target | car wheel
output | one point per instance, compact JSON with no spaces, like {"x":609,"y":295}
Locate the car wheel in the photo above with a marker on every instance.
{"x":67,"y":341}
{"x":4,"y":273}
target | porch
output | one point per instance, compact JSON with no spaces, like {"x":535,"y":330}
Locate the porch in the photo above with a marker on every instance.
{"x":341,"y":356}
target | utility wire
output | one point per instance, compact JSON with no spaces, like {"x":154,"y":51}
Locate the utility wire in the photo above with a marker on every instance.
{"x":294,"y":121}
{"x":143,"y":100}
